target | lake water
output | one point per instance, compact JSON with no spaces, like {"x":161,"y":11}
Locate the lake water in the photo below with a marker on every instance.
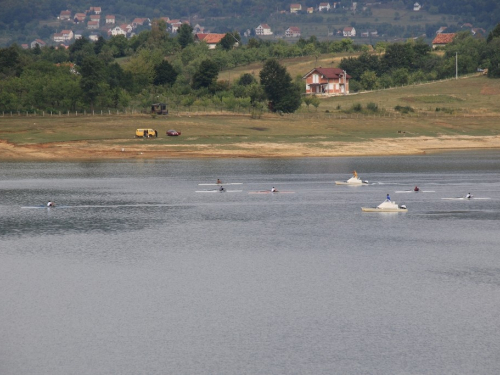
{"x":136,"y":273}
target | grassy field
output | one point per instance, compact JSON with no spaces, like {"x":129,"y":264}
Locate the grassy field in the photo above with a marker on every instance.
{"x":473,"y":110}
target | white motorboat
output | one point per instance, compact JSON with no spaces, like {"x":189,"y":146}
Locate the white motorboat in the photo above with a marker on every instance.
{"x":354,"y":180}
{"x":386,"y":206}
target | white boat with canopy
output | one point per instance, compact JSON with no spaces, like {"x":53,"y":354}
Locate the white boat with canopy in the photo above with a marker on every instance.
{"x":386,"y":206}
{"x":354,"y":180}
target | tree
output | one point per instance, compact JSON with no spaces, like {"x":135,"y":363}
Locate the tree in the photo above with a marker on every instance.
{"x":246,"y":79}
{"x":164,"y":74}
{"x":495,"y":33}
{"x":229,"y":40}
{"x":206,"y":75}
{"x":92,"y":76}
{"x":369,"y":80}
{"x":277,"y":82}
{"x":185,"y":35}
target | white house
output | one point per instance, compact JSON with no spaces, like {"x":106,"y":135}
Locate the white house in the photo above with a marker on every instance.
{"x":263,"y":29}
{"x":38,"y":42}
{"x":110,"y":19}
{"x":93,"y":25}
{"x":65,"y":15}
{"x":349,"y":31}
{"x":292,"y":32}
{"x":417,"y":7}
{"x":118,"y":31}
{"x":295,"y":8}
{"x":324,"y":7}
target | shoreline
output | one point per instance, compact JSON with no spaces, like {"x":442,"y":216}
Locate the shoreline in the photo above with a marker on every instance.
{"x":114,"y":151}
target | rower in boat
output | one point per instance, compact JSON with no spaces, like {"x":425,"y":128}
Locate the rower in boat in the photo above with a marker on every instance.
{"x":221,"y":189}
{"x":51,"y":204}
{"x":416,"y":189}
{"x":468,"y":196}
{"x":219,"y":181}
{"x":274,"y":190}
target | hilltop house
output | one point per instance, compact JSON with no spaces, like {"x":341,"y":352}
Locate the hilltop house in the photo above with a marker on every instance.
{"x":310,"y":10}
{"x":63,"y":36}
{"x":110,"y":19}
{"x":327,"y":81}
{"x":263,"y":29}
{"x":417,"y":7}
{"x":324,"y":7}
{"x":93,"y":25}
{"x":295,"y":8}
{"x":95,"y":17}
{"x":349,"y":31}
{"x":79,"y":17}
{"x":174,"y":25}
{"x":96,"y":10}
{"x":140,"y":21}
{"x":65,"y":15}
{"x":38,"y":42}
{"x":211,"y":39}
{"x":94,"y":36}
{"x":441,"y":40}
{"x":292,"y":32}
{"x":117,"y":31}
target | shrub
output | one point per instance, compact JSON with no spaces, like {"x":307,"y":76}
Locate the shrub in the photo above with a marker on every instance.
{"x":372,"y":107}
{"x":405,"y":109}
{"x":356,"y":107}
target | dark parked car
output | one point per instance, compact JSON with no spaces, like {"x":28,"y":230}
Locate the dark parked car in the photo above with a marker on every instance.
{"x":173,"y":133}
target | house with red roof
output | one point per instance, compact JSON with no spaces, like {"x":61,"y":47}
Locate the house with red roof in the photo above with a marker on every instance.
{"x":79,"y":17}
{"x":110,"y":19}
{"x":292,"y":32}
{"x":95,"y":17}
{"x":211,"y":39}
{"x":93,"y":25}
{"x":38,"y":42}
{"x":442,"y":40}
{"x":65,"y":15}
{"x":295,"y":8}
{"x":327,"y":81}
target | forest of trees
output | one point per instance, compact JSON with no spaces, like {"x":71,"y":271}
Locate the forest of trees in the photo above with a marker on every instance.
{"x":119,"y":72}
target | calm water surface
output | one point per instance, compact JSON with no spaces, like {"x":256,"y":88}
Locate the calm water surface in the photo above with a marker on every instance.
{"x":136,"y":273}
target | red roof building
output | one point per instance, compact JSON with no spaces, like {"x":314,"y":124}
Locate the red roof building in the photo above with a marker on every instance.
{"x":327,"y":81}
{"x":443,"y":39}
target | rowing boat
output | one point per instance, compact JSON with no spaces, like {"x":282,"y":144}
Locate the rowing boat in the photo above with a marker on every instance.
{"x":229,"y":183}
{"x":218,"y":191}
{"x":271,"y":192}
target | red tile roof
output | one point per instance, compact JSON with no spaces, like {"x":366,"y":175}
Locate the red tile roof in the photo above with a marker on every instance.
{"x":444,"y":38}
{"x":331,"y":72}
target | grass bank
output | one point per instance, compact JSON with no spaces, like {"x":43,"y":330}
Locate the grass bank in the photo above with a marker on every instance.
{"x":470,"y":121}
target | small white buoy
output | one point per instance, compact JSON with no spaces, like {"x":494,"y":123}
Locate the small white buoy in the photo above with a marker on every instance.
{"x":123,"y":149}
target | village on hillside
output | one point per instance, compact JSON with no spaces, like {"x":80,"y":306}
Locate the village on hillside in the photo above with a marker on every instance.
{"x":92,"y":23}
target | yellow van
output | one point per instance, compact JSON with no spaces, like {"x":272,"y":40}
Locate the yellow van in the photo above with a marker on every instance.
{"x":146,"y":133}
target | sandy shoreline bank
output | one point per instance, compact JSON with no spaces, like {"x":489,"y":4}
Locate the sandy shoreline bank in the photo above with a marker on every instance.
{"x":107,"y":150}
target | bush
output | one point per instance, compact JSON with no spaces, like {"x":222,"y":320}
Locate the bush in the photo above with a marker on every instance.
{"x":445,"y":110}
{"x":372,"y":107}
{"x":405,"y":109}
{"x":356,"y":107}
